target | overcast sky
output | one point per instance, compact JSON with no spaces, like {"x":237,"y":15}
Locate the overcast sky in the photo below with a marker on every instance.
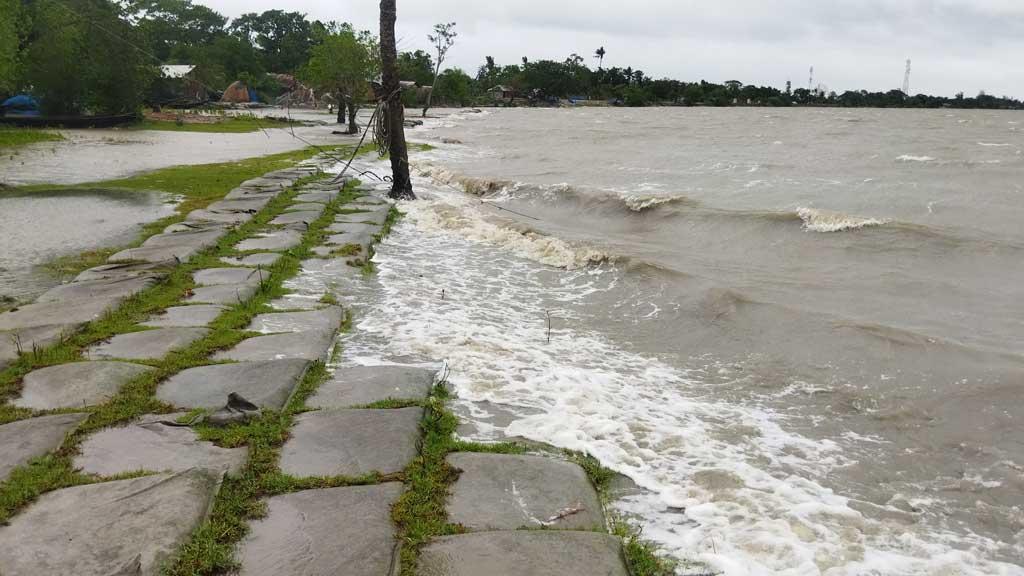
{"x":955,"y":45}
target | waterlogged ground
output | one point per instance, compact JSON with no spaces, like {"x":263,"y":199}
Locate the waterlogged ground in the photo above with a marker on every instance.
{"x":769,"y":438}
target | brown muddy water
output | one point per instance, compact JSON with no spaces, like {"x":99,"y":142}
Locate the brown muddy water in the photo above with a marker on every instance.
{"x":800,"y":331}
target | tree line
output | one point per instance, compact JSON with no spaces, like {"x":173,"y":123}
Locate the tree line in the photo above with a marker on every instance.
{"x":100,"y":56}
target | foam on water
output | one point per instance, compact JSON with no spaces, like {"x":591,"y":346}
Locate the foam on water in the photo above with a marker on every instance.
{"x":911,"y":158}
{"x":727,"y":485}
{"x":817,"y":220}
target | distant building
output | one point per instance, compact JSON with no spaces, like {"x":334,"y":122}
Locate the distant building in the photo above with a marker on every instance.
{"x":503,"y":93}
{"x":178,"y":86}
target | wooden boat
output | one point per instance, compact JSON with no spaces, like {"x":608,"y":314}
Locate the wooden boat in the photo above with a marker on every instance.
{"x":27,"y":121}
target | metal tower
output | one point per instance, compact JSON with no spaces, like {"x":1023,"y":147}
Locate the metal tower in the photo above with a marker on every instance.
{"x":906,"y":80}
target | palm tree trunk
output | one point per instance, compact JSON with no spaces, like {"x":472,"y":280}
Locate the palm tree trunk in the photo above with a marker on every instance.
{"x":353,"y":128}
{"x":401,"y":185}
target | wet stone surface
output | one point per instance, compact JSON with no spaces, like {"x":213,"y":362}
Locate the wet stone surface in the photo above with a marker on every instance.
{"x":266,"y":384}
{"x":305,"y":217}
{"x":128,"y":527}
{"x":318,"y":532}
{"x":263,"y":259}
{"x":508,"y":492}
{"x":523,"y":552}
{"x":273,"y":241}
{"x":316,"y":197}
{"x":76,"y":384}
{"x":27,"y":439}
{"x":226,"y":294}
{"x":363,"y":385}
{"x":154,"y":443}
{"x":377,"y":217}
{"x":109,"y":271}
{"x":24,"y":340}
{"x":149,"y":344}
{"x":351,"y":442}
{"x":328,"y":318}
{"x":186,"y":316}
{"x":309,"y":345}
{"x":222,"y":276}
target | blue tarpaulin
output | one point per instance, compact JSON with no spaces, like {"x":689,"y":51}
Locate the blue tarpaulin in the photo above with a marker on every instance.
{"x":20,"y":103}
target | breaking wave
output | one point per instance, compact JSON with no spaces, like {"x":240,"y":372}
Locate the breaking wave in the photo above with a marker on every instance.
{"x":817,"y":220}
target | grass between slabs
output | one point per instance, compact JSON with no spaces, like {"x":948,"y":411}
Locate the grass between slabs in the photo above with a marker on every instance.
{"x":137,"y":397}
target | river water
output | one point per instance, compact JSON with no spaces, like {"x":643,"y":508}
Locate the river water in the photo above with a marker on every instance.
{"x":799,"y":331}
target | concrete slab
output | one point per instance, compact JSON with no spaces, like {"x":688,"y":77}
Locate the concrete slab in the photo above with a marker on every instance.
{"x":322,"y":197}
{"x":186,"y":316}
{"x":266,"y":384}
{"x":305,"y":217}
{"x":128,"y":527}
{"x":354,"y":230}
{"x":310,"y":345}
{"x":328,"y":318}
{"x":273,"y":241}
{"x":318,"y":532}
{"x":523,"y":553}
{"x":305,"y":207}
{"x":193,"y":226}
{"x":155,"y":254}
{"x":221,"y":276}
{"x":27,"y":339}
{"x":297,"y":302}
{"x":263,"y":182}
{"x":113,"y":288}
{"x":149,"y":344}
{"x":247,"y":205}
{"x":508,"y":492}
{"x":352,"y":442}
{"x":76,"y":384}
{"x":111,"y":271}
{"x":363,"y":385}
{"x":225,"y":217}
{"x":264,"y":259}
{"x":72,"y":313}
{"x":156,"y":444}
{"x":247,"y":192}
{"x":227,"y":294}
{"x":200,"y":237}
{"x":377,"y":217}
{"x":24,"y":440}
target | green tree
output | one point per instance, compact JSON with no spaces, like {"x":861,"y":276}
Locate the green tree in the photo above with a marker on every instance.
{"x":344,"y":63}
{"x":416,"y":67}
{"x":10,"y":11}
{"x":599,"y":54}
{"x":455,"y":87}
{"x":443,"y":39}
{"x":284,"y":39}
{"x":169,"y":25}
{"x":82,"y":58}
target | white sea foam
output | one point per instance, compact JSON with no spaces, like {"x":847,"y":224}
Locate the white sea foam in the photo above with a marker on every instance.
{"x":910,"y":158}
{"x":817,"y":220}
{"x":993,"y":144}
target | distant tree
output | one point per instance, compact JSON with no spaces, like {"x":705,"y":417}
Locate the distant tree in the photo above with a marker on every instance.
{"x":344,"y":63}
{"x":454,"y":87}
{"x":284,"y":39}
{"x":599,"y":54}
{"x":168,"y":25}
{"x":401,"y":184}
{"x":416,"y":67}
{"x":82,"y":59}
{"x":443,"y":39}
{"x":10,"y":12}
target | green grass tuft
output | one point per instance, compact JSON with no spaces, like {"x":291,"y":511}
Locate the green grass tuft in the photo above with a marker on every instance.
{"x":15,"y":137}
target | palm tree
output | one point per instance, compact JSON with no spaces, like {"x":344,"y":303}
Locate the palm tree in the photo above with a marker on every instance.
{"x":600,"y":57}
{"x":401,"y":185}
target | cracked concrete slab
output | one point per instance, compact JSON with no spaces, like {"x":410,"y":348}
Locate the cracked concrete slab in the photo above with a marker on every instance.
{"x":264,"y":259}
{"x":305,"y":217}
{"x":522,"y":553}
{"x":111,"y":288}
{"x":168,"y":246}
{"x":227,"y":294}
{"x":344,"y":530}
{"x":186,"y":316}
{"x":309,"y":345}
{"x":221,"y":276}
{"x":247,"y":205}
{"x":306,"y":207}
{"x":354,"y":230}
{"x":377,"y":217}
{"x":273,"y":241}
{"x":351,"y":442}
{"x":71,"y":313}
{"x":508,"y":492}
{"x":27,"y":339}
{"x":321,"y":197}
{"x":363,"y":385}
{"x":148,"y":344}
{"x":24,"y":440}
{"x":76,"y":384}
{"x":111,"y":528}
{"x":266,"y":384}
{"x":327,"y":318}
{"x":155,"y":443}
{"x":123,"y":270}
